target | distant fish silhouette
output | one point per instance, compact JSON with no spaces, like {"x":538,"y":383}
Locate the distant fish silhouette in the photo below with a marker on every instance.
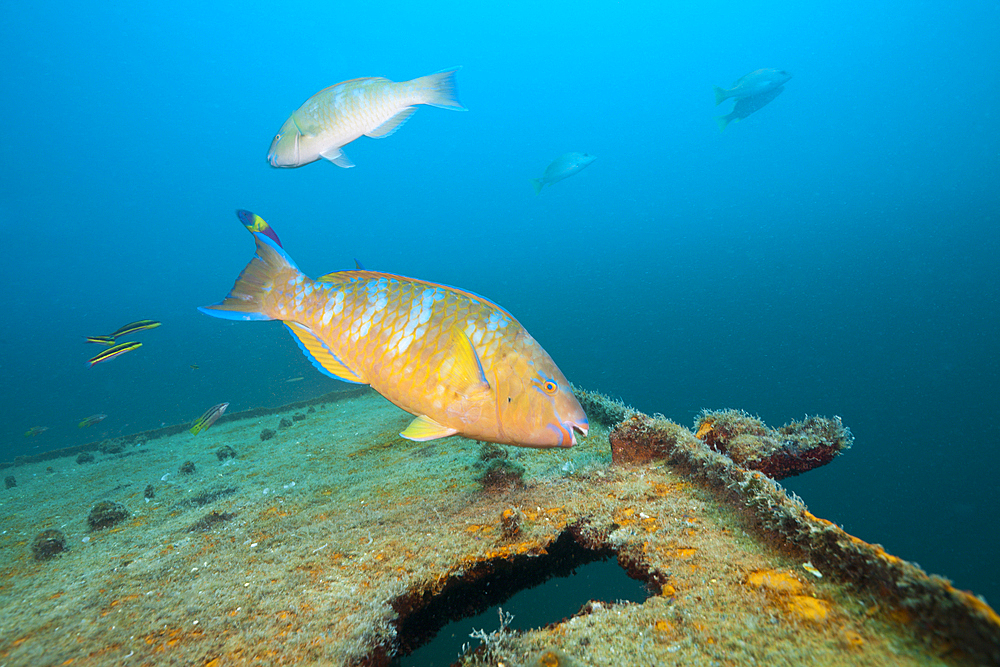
{"x":746,"y":106}
{"x":562,"y":167}
{"x":91,"y":420}
{"x":756,"y":82}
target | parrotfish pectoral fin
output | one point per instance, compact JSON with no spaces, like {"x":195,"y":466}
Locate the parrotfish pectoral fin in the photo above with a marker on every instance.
{"x":390,"y":126}
{"x":424,"y":428}
{"x":439,"y":90}
{"x":723,"y":121}
{"x":338,"y":157}
{"x":246,"y":300}
{"x":466,"y":374}
{"x":320,"y":355}
{"x":537,"y":182}
{"x":306,"y":125}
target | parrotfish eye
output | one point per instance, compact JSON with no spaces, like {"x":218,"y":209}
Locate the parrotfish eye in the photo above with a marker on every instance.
{"x":550,"y":387}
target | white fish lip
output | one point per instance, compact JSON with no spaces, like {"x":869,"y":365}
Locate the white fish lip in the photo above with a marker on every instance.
{"x":569,"y":430}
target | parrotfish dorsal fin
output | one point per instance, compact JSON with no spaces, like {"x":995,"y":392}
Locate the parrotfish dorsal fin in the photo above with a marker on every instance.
{"x":424,"y":428}
{"x":357,"y":264}
{"x":466,"y":373}
{"x":255,"y":223}
{"x":320,"y":355}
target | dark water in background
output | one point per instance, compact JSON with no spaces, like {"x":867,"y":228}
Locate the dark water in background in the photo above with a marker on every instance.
{"x":832,"y":254}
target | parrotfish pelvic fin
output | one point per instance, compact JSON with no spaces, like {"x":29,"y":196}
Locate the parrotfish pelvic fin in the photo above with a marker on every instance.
{"x":338,"y":157}
{"x":246,"y":300}
{"x":320,"y":355}
{"x":424,"y":428}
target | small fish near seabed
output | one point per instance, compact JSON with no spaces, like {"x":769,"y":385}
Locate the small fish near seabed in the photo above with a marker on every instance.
{"x":462,"y":364}
{"x":91,"y":420}
{"x":746,"y":106}
{"x":374,"y":107}
{"x":562,"y":167}
{"x":756,"y":82}
{"x":115,"y":351}
{"x":207,"y":419}
{"x":35,"y":431}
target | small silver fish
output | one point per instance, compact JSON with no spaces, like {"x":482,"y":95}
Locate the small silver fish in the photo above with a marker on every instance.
{"x":562,"y":167}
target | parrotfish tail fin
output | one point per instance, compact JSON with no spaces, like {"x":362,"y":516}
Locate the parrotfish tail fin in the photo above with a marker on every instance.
{"x":251,"y":298}
{"x":255,"y":223}
{"x":439,"y":90}
{"x":720,"y":95}
{"x":537,"y":182}
{"x":723,"y":121}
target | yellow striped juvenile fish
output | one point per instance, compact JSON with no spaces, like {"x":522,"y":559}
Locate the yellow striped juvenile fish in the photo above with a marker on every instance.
{"x":457,"y":361}
{"x":133,"y":327}
{"x":115,"y":351}
{"x":372,"y":106}
{"x":103,"y":340}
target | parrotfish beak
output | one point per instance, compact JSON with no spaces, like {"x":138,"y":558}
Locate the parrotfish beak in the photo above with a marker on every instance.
{"x":568,"y":430}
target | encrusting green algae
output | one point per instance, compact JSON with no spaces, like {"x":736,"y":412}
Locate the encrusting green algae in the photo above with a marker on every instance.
{"x":316,"y":543}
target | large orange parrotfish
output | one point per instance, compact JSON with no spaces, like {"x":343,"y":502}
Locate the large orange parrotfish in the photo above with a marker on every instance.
{"x":462,"y":364}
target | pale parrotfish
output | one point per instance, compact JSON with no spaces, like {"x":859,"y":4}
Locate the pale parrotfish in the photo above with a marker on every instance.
{"x":372,"y":106}
{"x":756,"y":82}
{"x":746,"y":106}
{"x":462,"y":364}
{"x":562,"y":167}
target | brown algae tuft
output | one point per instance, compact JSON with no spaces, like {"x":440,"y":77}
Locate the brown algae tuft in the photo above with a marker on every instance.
{"x":187,"y":468}
{"x":48,"y":543}
{"x":85,"y":457}
{"x":790,"y":450}
{"x":9,"y":481}
{"x":225,"y":452}
{"x":106,"y":514}
{"x":267,"y":434}
{"x":498,"y":472}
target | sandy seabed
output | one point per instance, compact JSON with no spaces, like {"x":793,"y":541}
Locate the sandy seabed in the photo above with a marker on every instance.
{"x":336,"y":542}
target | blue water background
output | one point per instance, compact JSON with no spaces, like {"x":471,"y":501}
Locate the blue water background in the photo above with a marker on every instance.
{"x":833,"y":254}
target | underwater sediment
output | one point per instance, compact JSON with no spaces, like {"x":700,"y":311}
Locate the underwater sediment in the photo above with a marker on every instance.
{"x":334,"y":541}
